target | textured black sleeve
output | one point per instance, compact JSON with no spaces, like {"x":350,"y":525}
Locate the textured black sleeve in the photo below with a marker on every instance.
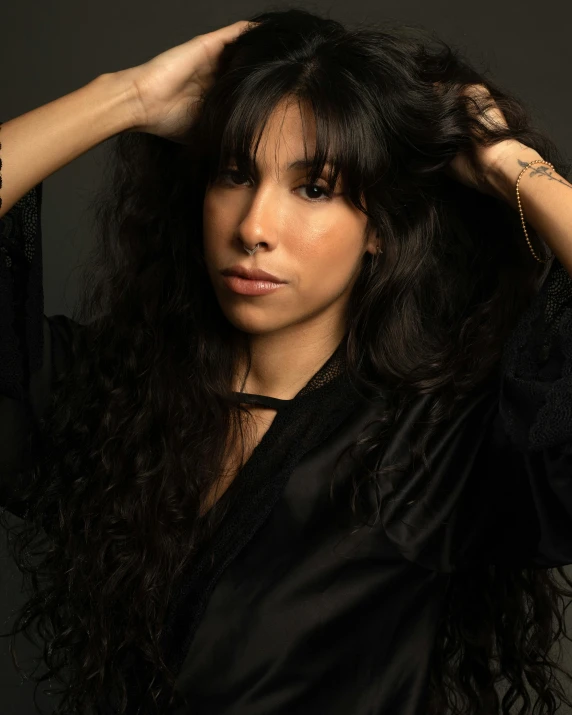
{"x":535,"y":420}
{"x":33,"y":346}
{"x":21,"y":294}
{"x":537,"y":369}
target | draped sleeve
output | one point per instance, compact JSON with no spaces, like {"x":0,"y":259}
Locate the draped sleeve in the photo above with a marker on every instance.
{"x":499,"y":484}
{"x":536,"y":404}
{"x":33,"y":346}
{"x":535,"y":419}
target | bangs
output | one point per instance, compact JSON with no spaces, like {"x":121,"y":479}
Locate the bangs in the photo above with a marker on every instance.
{"x":343,"y":138}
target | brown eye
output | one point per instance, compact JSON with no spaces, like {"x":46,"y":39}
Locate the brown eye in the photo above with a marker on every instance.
{"x":325,"y":193}
{"x":231,"y":175}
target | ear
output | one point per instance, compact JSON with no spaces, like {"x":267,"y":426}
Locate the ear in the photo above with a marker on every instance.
{"x":372,"y":241}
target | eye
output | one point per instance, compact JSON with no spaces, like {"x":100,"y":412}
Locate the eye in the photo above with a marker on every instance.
{"x":233,"y":177}
{"x":326,"y":193}
{"x":230,"y":174}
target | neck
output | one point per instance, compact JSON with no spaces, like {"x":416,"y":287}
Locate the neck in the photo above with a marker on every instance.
{"x":284,"y":361}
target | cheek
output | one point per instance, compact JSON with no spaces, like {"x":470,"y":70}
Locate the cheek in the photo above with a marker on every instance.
{"x":217,"y":222}
{"x":333,"y":255}
{"x":211,"y":216}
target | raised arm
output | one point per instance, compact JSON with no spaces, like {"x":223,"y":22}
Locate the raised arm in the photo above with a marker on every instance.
{"x":36,"y":144}
{"x":159,"y":97}
{"x":32,"y":345}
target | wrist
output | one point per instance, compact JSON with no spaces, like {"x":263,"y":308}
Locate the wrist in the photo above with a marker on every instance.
{"x":504,"y":166}
{"x":127,"y":106}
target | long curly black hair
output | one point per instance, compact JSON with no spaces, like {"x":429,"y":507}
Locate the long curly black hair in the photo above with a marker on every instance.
{"x":136,"y":430}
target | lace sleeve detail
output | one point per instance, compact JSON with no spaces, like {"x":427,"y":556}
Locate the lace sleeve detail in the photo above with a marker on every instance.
{"x":21,"y":294}
{"x":537,"y":369}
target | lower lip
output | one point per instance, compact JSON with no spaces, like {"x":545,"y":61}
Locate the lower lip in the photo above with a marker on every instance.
{"x":246,"y":286}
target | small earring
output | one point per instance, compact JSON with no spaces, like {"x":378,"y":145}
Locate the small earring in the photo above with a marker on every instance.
{"x":374,"y":261}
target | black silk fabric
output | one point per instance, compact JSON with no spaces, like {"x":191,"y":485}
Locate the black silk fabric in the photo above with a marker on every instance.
{"x":294,"y":608}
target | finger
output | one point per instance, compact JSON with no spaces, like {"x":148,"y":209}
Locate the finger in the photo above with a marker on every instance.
{"x":230,"y":32}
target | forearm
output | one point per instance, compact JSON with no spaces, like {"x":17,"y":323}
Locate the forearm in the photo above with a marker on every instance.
{"x":41,"y":141}
{"x":545,"y":197}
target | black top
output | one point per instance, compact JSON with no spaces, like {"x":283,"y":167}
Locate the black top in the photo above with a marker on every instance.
{"x":292,"y":610}
{"x":253,"y":399}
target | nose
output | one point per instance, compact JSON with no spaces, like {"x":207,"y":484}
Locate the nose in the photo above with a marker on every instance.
{"x":259,"y":222}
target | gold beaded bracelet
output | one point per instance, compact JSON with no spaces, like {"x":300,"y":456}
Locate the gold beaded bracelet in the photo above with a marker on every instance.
{"x":536,"y":161}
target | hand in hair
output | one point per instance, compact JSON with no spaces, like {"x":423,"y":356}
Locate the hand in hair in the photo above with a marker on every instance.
{"x":480,"y":171}
{"x":171,"y":85}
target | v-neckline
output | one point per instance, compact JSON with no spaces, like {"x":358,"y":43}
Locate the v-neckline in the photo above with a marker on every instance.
{"x":274,"y":403}
{"x":280,"y":420}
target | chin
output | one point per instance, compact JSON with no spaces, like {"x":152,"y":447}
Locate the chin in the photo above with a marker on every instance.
{"x":252,"y":327}
{"x":253,"y":322}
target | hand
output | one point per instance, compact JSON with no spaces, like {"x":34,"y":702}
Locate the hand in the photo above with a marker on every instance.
{"x":169,"y":87}
{"x":491,"y":177}
{"x":460,"y":168}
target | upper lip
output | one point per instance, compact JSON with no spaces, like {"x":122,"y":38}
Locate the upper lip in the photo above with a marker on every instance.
{"x":251,"y":274}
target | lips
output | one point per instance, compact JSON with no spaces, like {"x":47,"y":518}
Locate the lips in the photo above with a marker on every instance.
{"x":253,"y":274}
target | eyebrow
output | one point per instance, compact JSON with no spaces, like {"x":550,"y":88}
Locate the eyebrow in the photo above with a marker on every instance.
{"x":301,"y":164}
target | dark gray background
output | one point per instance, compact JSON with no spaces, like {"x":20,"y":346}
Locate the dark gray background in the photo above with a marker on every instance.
{"x":49,"y":49}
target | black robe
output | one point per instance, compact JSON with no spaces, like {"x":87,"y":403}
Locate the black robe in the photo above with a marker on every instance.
{"x":291,"y":609}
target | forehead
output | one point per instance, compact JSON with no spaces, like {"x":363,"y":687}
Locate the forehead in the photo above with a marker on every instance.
{"x":284,"y":137}
{"x":289,"y":133}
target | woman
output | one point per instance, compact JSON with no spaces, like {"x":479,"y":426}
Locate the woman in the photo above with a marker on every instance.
{"x":341,"y":490}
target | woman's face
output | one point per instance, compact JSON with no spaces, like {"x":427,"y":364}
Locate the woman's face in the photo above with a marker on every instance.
{"x":314,"y":243}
